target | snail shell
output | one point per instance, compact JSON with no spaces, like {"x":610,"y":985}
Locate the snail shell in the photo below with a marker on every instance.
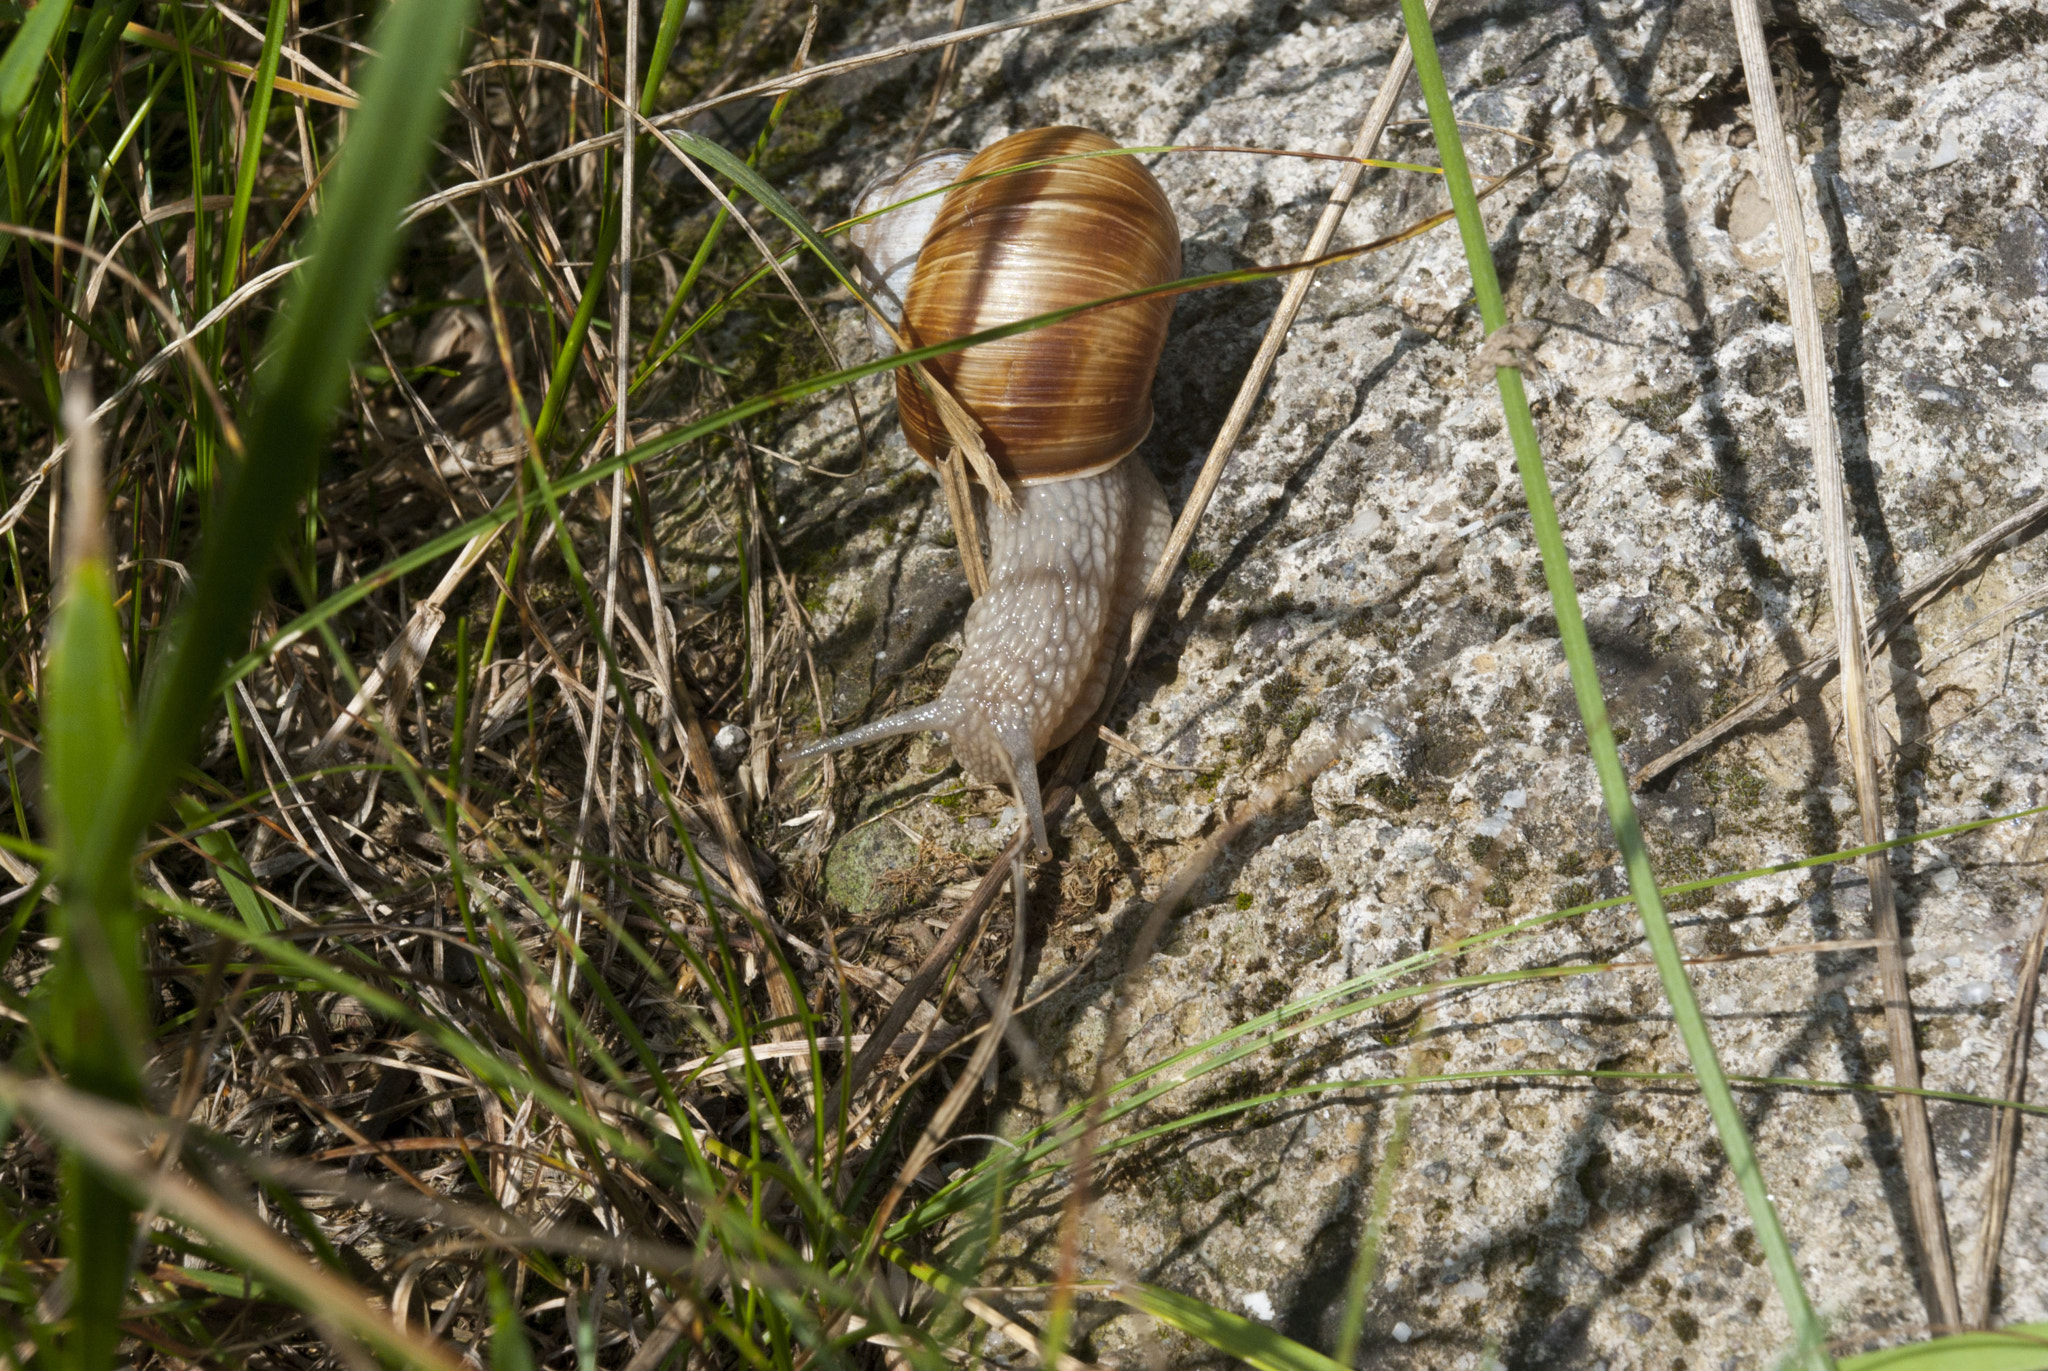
{"x":1073,"y":398}
{"x":1060,"y":408}
{"x":885,"y":248}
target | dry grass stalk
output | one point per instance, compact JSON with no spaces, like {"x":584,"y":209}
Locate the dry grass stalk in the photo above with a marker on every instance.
{"x":957,"y":936}
{"x":1810,"y":350}
{"x":948,"y":56}
{"x":401,"y":662}
{"x":778,"y":86}
{"x":1369,"y":132}
{"x":966,"y":528}
{"x":116,"y":1141}
{"x":2005,"y":1127}
{"x":622,"y":375}
{"x":970,"y":1079}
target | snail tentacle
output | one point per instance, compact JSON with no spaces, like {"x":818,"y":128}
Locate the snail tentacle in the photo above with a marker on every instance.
{"x":940,"y":716}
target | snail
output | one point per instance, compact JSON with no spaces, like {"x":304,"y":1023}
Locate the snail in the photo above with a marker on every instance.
{"x":1061,"y":409}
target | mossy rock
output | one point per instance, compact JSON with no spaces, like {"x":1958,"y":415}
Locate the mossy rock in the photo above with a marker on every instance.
{"x":859,"y":861}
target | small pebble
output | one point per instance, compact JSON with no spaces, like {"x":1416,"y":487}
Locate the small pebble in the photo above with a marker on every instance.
{"x":729,"y":745}
{"x":1946,"y":152}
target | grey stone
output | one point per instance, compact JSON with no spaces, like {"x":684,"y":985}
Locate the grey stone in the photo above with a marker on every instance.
{"x":729,"y":745}
{"x":1884,"y":13}
{"x":2022,"y":253}
{"x":1930,"y":391}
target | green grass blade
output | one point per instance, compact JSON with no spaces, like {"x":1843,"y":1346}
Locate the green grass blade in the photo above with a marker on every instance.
{"x":673,"y":12}
{"x":563,"y":374}
{"x":1254,"y":1344}
{"x":608,"y":233}
{"x":252,"y":145}
{"x":1621,"y":811}
{"x":1358,"y":1290}
{"x":744,"y":176}
{"x":103,"y":28}
{"x":85,"y":702}
{"x":92,"y":998}
{"x":2022,"y":1347}
{"x":228,"y":867}
{"x":23,"y":60}
{"x":297,"y":393}
{"x":705,"y":246}
{"x":510,"y":1351}
{"x":1312,"y":1011}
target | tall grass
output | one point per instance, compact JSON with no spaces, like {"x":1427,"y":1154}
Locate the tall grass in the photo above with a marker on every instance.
{"x":338,"y":1060}
{"x":105,"y":779}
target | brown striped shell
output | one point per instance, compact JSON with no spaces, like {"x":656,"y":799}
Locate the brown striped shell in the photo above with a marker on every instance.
{"x":1073,"y":398}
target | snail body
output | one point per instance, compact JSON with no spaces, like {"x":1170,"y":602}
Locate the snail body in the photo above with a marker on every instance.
{"x":1061,"y":408}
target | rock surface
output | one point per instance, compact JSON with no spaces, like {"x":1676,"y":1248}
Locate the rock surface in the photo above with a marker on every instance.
{"x":1366,"y":560}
